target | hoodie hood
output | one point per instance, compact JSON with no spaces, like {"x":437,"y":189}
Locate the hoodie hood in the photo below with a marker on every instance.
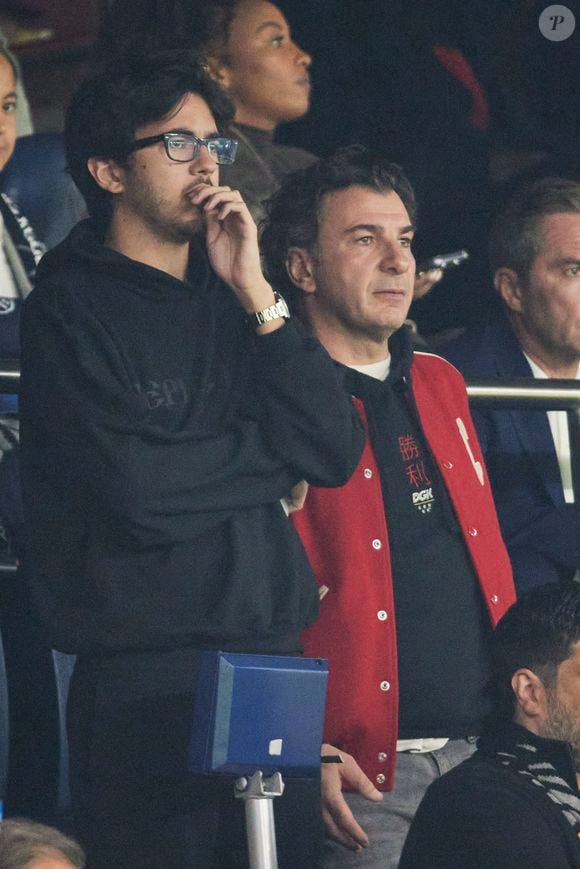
{"x":401,"y":350}
{"x":84,"y":252}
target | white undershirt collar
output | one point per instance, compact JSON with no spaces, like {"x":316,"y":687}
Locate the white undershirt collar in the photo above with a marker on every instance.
{"x":378,"y":370}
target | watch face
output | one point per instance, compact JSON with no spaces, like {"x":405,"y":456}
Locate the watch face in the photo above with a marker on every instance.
{"x":277,"y":311}
{"x":282,"y":307}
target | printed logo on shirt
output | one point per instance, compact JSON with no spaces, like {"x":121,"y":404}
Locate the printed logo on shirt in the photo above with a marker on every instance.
{"x":416,"y":473}
{"x":163,"y":393}
{"x":424,"y":500}
{"x":7,"y":306}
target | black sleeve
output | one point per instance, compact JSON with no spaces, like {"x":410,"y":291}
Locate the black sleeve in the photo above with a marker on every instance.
{"x":304,"y":412}
{"x":486,"y":826}
{"x":80,"y":408}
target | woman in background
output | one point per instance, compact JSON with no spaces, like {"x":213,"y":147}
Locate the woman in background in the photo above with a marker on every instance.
{"x":249,"y":50}
{"x":19,"y":248}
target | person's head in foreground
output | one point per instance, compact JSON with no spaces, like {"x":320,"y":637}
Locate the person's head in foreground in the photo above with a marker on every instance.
{"x":141,"y":136}
{"x":337,"y":244}
{"x":247,"y":46}
{"x":28,"y":845}
{"x":535,"y":260}
{"x":536,"y":655}
{"x":515,"y":803}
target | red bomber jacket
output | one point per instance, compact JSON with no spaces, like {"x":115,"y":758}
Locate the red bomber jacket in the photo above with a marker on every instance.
{"x":345,"y":535}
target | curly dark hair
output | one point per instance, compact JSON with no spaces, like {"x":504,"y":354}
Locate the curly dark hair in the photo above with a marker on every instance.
{"x":293,"y":212}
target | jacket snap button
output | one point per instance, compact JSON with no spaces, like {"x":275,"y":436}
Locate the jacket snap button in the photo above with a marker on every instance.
{"x":382,"y":756}
{"x":381,"y":779}
{"x":494,"y":598}
{"x":472,"y":532}
{"x":385,"y":686}
{"x":377,"y":544}
{"x":368,"y":473}
{"x":448,"y":465}
{"x":382,"y":616}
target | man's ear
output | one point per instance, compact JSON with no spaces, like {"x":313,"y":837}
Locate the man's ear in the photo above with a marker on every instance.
{"x":300,"y":269}
{"x":507,"y":284}
{"x":531,"y":697}
{"x":218,"y":71}
{"x":107,"y":173}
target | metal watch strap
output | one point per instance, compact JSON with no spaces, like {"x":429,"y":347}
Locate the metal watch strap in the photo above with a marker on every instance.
{"x":279,"y":310}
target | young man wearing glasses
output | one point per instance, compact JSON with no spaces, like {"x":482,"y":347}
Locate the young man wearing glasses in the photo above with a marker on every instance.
{"x":169,"y":406}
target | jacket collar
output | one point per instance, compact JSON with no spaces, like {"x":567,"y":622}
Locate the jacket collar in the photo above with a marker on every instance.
{"x":401,"y":350}
{"x":533,"y":429}
{"x":507,"y":353}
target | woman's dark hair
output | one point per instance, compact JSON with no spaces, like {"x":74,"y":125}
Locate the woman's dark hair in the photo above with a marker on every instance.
{"x":293,"y":212}
{"x":537,"y":633}
{"x":134,"y":27}
{"x":109,"y":107}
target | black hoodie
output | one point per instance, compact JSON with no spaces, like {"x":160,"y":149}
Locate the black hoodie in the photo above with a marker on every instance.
{"x":158,"y":436}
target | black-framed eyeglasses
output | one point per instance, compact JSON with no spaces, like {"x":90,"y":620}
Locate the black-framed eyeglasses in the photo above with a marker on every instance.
{"x":185,"y":147}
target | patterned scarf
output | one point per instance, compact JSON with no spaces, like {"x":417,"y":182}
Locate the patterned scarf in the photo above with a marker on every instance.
{"x":21,"y":239}
{"x":545,"y":762}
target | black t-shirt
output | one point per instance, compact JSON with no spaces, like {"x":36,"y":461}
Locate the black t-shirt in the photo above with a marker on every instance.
{"x":442,"y":628}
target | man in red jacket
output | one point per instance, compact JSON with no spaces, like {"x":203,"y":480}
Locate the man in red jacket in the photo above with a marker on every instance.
{"x":413,"y":534}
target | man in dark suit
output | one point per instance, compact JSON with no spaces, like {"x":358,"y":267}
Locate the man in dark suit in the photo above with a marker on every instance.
{"x":535,"y":259}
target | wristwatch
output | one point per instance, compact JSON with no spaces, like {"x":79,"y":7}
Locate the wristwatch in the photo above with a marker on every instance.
{"x":277,"y":311}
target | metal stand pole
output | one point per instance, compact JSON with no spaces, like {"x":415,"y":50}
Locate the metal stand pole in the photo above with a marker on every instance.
{"x":259,"y":793}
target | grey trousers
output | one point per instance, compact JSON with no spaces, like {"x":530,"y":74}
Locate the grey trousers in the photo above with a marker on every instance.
{"x":387,"y":823}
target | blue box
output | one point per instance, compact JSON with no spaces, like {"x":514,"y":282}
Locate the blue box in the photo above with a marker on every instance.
{"x":258,"y":712}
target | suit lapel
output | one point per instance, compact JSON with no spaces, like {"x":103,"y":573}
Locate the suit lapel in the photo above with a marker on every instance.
{"x":532,"y":427}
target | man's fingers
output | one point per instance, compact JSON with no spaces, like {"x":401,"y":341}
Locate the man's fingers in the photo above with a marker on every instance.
{"x":230,"y":208}
{"x":334,"y":832}
{"x":210,"y":198}
{"x":354,"y":779}
{"x":200,"y":192}
{"x":424,"y":281}
{"x":340,"y":819}
{"x":297,"y":496}
{"x":358,"y":781}
{"x":347,"y":828}
{"x":214,"y":202}
{"x":225,"y":203}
